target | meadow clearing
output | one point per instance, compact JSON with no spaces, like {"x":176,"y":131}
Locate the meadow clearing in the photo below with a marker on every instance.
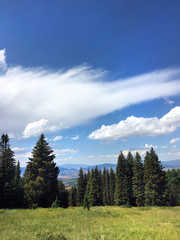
{"x":100,"y":223}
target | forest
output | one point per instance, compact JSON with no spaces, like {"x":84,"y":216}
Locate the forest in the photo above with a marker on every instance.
{"x":135,"y":182}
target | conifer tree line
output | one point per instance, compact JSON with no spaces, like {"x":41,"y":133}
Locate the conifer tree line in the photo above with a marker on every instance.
{"x":133,"y":183}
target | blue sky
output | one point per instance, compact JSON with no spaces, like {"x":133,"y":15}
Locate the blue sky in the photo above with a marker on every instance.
{"x":96,"y":77}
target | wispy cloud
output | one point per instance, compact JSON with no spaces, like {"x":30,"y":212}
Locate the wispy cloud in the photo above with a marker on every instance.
{"x":66,"y":151}
{"x":18,"y":149}
{"x":3,"y":59}
{"x":75,"y":138}
{"x":174,"y":140}
{"x":57,"y":138}
{"x":54,"y":100}
{"x":134,"y":126}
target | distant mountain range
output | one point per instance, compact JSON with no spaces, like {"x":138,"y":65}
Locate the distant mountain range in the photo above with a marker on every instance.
{"x":68,"y":171}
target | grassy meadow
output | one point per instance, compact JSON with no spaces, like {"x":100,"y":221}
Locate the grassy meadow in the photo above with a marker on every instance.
{"x":99,"y":223}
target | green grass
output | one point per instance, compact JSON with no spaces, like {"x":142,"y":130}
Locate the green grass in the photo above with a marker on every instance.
{"x":99,"y":223}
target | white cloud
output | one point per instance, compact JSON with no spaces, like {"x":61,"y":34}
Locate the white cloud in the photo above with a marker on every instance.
{"x":3,"y":59}
{"x":170,"y":102}
{"x":174,"y":140}
{"x":57,"y":138}
{"x":75,"y":138}
{"x":66,"y":151}
{"x":66,"y":98}
{"x":35,"y":128}
{"x":18,"y":149}
{"x":134,"y":126}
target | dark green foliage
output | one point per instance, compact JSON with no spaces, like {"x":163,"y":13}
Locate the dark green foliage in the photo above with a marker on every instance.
{"x":121,"y":190}
{"x":86,"y":202}
{"x":40,"y":178}
{"x":81,"y":188}
{"x":154,"y":179}
{"x":62,"y":195}
{"x":56,"y":203}
{"x":7,"y":174}
{"x":112,"y":185}
{"x":129,"y":177}
{"x":73,"y":196}
{"x":18,"y":188}
{"x":173,"y":186}
{"x":137,"y":181}
{"x":95,"y":195}
{"x":104,"y":186}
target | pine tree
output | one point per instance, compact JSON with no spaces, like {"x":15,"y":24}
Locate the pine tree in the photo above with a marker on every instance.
{"x":104,"y":186}
{"x":62,"y":195}
{"x":121,"y":190}
{"x":86,"y":202}
{"x":7,"y":173}
{"x":154,"y":179}
{"x":173,"y":186}
{"x":129,"y":177}
{"x":112,"y":185}
{"x":138,"y":183}
{"x":81,"y":188}
{"x":95,"y":189}
{"x":18,"y":187}
{"x":41,"y":184}
{"x":108,"y":200}
{"x":73,"y":196}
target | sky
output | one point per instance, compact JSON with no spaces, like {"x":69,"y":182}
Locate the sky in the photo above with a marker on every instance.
{"x":96,"y":77}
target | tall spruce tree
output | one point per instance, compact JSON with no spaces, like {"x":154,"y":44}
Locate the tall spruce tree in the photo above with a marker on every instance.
{"x":121,"y":190}
{"x":154,"y":179}
{"x":104,"y":186}
{"x":18,"y":187}
{"x":137,"y":180}
{"x":81,"y":188}
{"x":40,"y":179}
{"x":95,"y":188}
{"x":62,"y":195}
{"x":7,"y":173}
{"x":73,"y":196}
{"x":129,"y":177}
{"x":108,"y":198}
{"x":112,"y":185}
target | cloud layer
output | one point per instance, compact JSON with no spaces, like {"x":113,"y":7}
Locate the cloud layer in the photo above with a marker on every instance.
{"x":33,"y":100}
{"x":134,"y":126}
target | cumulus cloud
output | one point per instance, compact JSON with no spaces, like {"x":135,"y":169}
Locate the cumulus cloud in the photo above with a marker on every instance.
{"x":174,"y":140}
{"x":75,"y":138}
{"x":134,"y":126}
{"x":66,"y":98}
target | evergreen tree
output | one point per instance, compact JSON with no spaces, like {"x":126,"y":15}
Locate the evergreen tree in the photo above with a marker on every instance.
{"x":104,"y":186}
{"x":95,"y":191}
{"x":108,"y":200}
{"x":62,"y":195}
{"x":154,"y":179}
{"x":173,"y":186}
{"x":18,"y":188}
{"x":86,"y":202}
{"x":121,"y":190}
{"x":81,"y":188}
{"x":112,"y":185}
{"x":138,"y":182}
{"x":129,"y":177}
{"x":41,"y":184}
{"x":73,"y":196}
{"x":7,"y":173}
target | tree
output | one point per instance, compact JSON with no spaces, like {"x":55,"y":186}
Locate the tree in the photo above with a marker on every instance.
{"x":137,"y":180}
{"x":154,"y":179}
{"x":86,"y":202}
{"x":81,"y":188}
{"x":7,"y":173}
{"x":18,"y":188}
{"x":129,"y":177}
{"x":121,"y":190}
{"x":108,"y":200}
{"x":73,"y":196}
{"x":173,"y":186}
{"x":112,"y":185}
{"x":104,"y":186}
{"x":95,"y":189}
{"x":62,"y":195}
{"x":41,"y":184}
